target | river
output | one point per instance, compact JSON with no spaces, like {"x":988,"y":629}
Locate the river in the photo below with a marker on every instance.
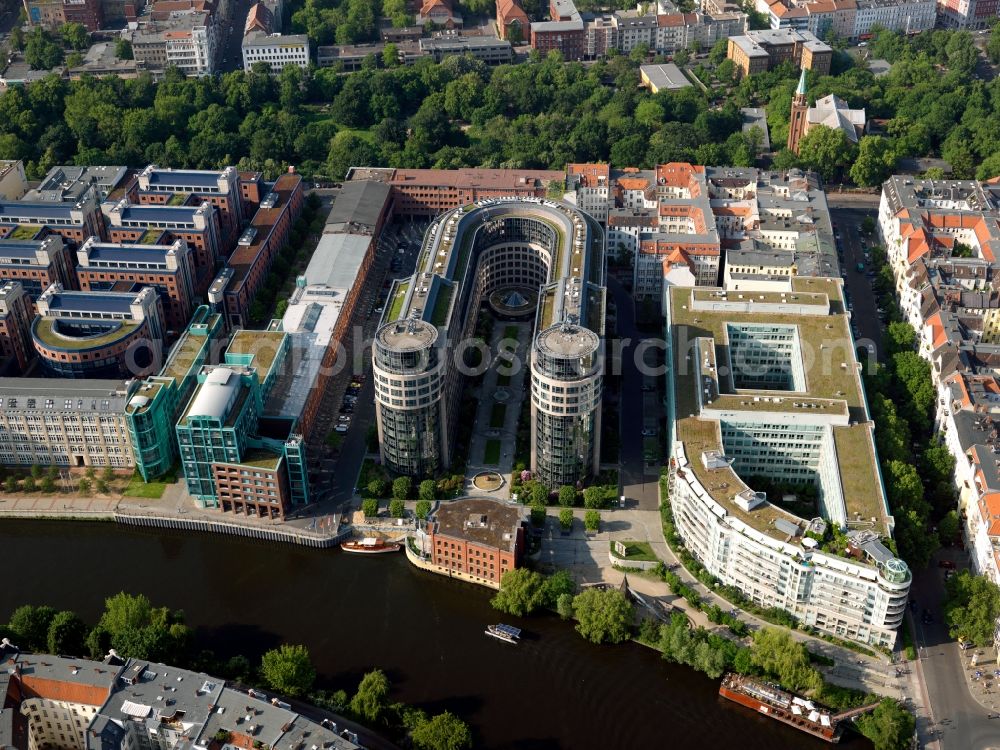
{"x":554,"y":691}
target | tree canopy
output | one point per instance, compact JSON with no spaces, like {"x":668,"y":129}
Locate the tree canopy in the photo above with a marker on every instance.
{"x":288,"y":669}
{"x":521,"y":592}
{"x":972,"y":607}
{"x":443,"y":732}
{"x":603,"y":615}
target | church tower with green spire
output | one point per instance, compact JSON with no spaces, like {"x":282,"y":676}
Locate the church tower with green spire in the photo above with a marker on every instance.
{"x":797,"y":121}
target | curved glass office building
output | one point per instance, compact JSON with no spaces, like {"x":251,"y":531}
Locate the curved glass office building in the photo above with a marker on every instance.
{"x":467,"y":254}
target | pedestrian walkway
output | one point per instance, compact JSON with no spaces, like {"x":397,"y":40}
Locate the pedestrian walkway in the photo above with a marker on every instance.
{"x":982,"y":675}
{"x":492,"y":446}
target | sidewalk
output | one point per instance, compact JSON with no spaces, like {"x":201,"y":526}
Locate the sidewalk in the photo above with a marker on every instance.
{"x":984,"y":688}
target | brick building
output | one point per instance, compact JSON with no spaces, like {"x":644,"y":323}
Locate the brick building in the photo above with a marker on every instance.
{"x":757,"y":51}
{"x":512,"y":22}
{"x":568,"y":37}
{"x":478,"y":539}
{"x":36,"y":264}
{"x":168,"y":269}
{"x":29,"y":219}
{"x":259,"y":245}
{"x":16,"y":315}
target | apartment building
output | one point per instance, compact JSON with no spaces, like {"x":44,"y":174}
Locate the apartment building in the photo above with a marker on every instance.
{"x":832,"y":17}
{"x":527,"y":242}
{"x":588,"y":186}
{"x":71,"y":184}
{"x":942,"y":240}
{"x":757,"y":51}
{"x":188,"y":39}
{"x":34,"y":219}
{"x":79,"y":704}
{"x":192,"y":187}
{"x":277,"y":50}
{"x":258,"y":247}
{"x":152,"y":224}
{"x":16,"y":314}
{"x":751,"y":402}
{"x":168,"y":269}
{"x":36,"y":264}
{"x":904,"y":16}
{"x":98,"y":334}
{"x":475,"y":539}
{"x":64,"y":422}
{"x":968,"y":14}
{"x":566,"y":37}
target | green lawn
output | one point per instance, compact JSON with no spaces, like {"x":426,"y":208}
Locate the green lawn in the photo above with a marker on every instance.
{"x":639,"y":551}
{"x":497,"y":414}
{"x":491,"y":453}
{"x":510,"y":332}
{"x":150,"y":490}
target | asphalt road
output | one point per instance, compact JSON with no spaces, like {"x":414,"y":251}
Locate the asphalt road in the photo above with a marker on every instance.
{"x":864,"y":316}
{"x":232,"y":53}
{"x":640,"y":490}
{"x":958,"y":721}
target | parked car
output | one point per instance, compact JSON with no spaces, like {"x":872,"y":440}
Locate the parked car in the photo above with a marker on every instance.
{"x":649,"y":432}
{"x":341,"y":428}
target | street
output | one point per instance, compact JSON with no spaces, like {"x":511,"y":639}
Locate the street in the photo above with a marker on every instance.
{"x":858,"y":285}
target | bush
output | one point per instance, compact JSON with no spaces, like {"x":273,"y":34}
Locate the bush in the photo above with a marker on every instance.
{"x":538,"y":513}
{"x":592,"y":520}
{"x":370,"y":507}
{"x":378,"y":488}
{"x":427,"y":491}
{"x":423,"y":509}
{"x":566,"y":518}
{"x":567,"y":496}
{"x":594,"y":497}
{"x":397,"y":508}
{"x":401,"y":488}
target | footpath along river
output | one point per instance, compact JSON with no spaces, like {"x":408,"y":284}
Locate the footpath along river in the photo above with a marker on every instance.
{"x":554,"y":691}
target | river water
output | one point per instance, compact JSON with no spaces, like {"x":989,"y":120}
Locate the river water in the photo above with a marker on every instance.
{"x":554,"y":691}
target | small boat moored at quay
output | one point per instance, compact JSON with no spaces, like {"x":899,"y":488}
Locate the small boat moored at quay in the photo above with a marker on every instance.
{"x":370,"y":546}
{"x":506,"y":633}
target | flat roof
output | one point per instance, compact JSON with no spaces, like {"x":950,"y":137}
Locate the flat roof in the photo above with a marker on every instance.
{"x":65,"y":304}
{"x":337,"y":259}
{"x":496,"y":179}
{"x":80,"y":395}
{"x":359,"y":202}
{"x":666,"y":76}
{"x":129,"y":253}
{"x":263,"y":346}
{"x":833,"y":390}
{"x":484,"y":521}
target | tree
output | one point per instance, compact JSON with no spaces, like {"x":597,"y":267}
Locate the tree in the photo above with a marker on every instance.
{"x":397,"y":508}
{"x":390,"y":55}
{"x":401,"y":487}
{"x":67,"y":634}
{"x":889,"y":726}
{"x":564,"y":606}
{"x":444,"y":732}
{"x":427,"y":491}
{"x":288,"y":669}
{"x":825,"y":150}
{"x":371,"y":701}
{"x":74,"y":35}
{"x":31,"y":624}
{"x":948,"y":527}
{"x":874,"y":163}
{"x":348,"y":150}
{"x":16,"y":38}
{"x":566,"y":518}
{"x":123,"y":49}
{"x":41,"y":52}
{"x":108,"y":474}
{"x":379,"y":487}
{"x":971,"y":608}
{"x":776,"y":653}
{"x":567,"y":496}
{"x":123,"y":611}
{"x":603,"y":615}
{"x":555,"y":586}
{"x":521,"y":592}
{"x":592,"y":520}
{"x":369,"y":507}
{"x":100,"y":486}
{"x":423,"y":509}
{"x":538,"y":514}
{"x":36,"y":471}
{"x":538,"y":493}
{"x":594,"y":497}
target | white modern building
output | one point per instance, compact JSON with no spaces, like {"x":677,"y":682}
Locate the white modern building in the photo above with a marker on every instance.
{"x":906,"y":16}
{"x":765,"y":392}
{"x":277,"y":50}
